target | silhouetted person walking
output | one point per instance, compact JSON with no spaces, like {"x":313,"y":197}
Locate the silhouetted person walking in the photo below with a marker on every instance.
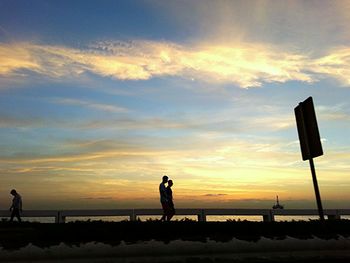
{"x":16,"y":206}
{"x":163,"y":197}
{"x":171,"y":208}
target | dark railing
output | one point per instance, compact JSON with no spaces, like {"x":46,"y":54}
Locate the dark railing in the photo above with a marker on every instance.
{"x":268,"y":215}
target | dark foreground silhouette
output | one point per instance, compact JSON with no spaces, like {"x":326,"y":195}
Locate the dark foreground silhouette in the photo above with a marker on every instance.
{"x":180,"y":242}
{"x":15,"y":235}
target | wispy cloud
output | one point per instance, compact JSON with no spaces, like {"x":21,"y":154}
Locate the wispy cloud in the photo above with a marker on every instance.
{"x":338,"y":112}
{"x":336,"y":64}
{"x":214,"y":195}
{"x":215,"y":170}
{"x":15,"y":58}
{"x":246,"y":65}
{"x":16,"y":122}
{"x":90,"y":104}
{"x":190,"y":123}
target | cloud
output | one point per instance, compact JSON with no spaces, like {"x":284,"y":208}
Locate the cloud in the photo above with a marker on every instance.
{"x":104,"y":168}
{"x":209,"y":124}
{"x":11,"y":122}
{"x":336,"y":64}
{"x":17,"y":57}
{"x":338,"y":112}
{"x":243,"y":64}
{"x":247,"y":43}
{"x":213,"y":195}
{"x":98,"y":198}
{"x":90,"y":104}
{"x":217,"y":123}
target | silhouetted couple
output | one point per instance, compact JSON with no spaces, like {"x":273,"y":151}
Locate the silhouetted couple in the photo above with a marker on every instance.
{"x":166,"y":199}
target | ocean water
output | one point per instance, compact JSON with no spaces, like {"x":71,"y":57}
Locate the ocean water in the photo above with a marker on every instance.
{"x":179,"y":218}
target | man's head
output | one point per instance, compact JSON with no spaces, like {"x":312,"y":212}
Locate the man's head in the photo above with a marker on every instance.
{"x":13,"y":192}
{"x":170,"y":183}
{"x":165,"y":179}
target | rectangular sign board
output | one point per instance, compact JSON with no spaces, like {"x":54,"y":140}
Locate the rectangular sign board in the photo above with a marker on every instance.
{"x":309,"y":136}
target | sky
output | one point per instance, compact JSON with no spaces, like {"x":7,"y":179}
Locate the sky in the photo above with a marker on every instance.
{"x":100,"y":99}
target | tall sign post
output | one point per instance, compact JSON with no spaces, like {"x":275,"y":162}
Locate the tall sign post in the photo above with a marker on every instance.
{"x":310,"y":142}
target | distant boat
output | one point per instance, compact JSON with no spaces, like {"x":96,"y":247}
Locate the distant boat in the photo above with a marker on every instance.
{"x":277,"y":205}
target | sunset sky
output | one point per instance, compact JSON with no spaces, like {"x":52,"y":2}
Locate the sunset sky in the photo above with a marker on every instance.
{"x":100,"y":99}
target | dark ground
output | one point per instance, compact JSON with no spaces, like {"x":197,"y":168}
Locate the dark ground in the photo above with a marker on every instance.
{"x":17,"y":235}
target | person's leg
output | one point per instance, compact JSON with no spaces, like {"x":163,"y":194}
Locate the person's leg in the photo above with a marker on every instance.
{"x":18,"y":215}
{"x":171,"y":215}
{"x":164,"y":216}
{"x":12,"y":215}
{"x":15,"y":213}
{"x":171,"y":212}
{"x":164,"y":206}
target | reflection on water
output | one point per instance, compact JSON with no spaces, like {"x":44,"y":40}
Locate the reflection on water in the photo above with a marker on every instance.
{"x":33,"y":219}
{"x":98,"y":218}
{"x":179,"y":218}
{"x":234,"y":218}
{"x":296,"y":218}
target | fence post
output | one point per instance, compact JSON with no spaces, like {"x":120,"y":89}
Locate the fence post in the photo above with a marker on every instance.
{"x":133,"y":215}
{"x":334,"y":217}
{"x":202,"y":216}
{"x":57,"y":218}
{"x":270,"y":217}
{"x":61,"y":218}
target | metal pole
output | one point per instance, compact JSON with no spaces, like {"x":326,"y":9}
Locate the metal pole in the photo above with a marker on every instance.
{"x":312,"y":166}
{"x":317,"y":191}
